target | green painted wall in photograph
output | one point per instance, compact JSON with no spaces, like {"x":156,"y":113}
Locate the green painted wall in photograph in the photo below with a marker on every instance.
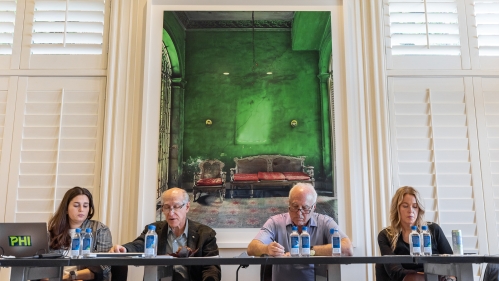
{"x":251,"y":110}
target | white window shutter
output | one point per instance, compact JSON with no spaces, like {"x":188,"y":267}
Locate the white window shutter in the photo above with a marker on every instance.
{"x":66,"y":34}
{"x":487,"y":25}
{"x":424,"y":27}
{"x":7,"y":23}
{"x":68,"y":27}
{"x":425,"y":34}
{"x":435,"y":150}
{"x":58,"y":144}
{"x":11,"y":26}
{"x":483,"y":24}
{"x":487,"y":104}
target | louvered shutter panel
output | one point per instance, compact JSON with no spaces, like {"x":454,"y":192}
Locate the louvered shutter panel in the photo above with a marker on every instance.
{"x":71,"y":32}
{"x":484,"y":33}
{"x":11,"y":19}
{"x":487,"y":25}
{"x":7,"y":23}
{"x":68,"y":27}
{"x":434,"y":149}
{"x":424,"y":34}
{"x":487,"y":103}
{"x":60,"y":143}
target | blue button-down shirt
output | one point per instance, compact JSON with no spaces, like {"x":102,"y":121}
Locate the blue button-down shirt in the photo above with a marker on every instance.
{"x":173,"y":244}
{"x":278,"y":227}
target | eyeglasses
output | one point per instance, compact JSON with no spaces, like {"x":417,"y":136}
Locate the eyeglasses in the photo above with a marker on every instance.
{"x":304,"y":211}
{"x":167,"y":208}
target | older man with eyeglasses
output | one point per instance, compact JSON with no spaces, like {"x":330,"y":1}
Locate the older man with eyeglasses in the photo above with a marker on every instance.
{"x":178,"y":231}
{"x":273,"y":237}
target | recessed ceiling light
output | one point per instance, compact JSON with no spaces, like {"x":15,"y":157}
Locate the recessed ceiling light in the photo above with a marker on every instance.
{"x":226,"y":73}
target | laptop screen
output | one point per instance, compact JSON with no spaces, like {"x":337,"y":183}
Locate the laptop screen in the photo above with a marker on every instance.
{"x":23,"y":239}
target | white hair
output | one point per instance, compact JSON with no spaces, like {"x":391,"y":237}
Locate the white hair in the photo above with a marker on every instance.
{"x":310,"y":189}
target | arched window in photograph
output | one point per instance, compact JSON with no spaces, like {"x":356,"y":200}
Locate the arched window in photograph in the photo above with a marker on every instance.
{"x":164,"y":122}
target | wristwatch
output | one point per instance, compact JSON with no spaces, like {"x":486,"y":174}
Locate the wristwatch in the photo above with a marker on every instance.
{"x":312,"y":251}
{"x":73,"y":274}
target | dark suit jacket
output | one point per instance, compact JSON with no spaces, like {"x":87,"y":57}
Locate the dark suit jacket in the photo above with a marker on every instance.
{"x":199,"y":237}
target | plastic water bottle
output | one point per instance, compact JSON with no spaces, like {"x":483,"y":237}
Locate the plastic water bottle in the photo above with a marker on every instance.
{"x":305,"y":242}
{"x":294,"y":238}
{"x":415,"y":241}
{"x":151,"y":239}
{"x":76,"y":244}
{"x":87,"y":242}
{"x":426,"y":238}
{"x":336,"y":242}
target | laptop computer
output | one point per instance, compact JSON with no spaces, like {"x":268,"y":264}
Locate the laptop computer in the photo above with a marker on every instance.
{"x":23,"y":239}
{"x":116,"y":255}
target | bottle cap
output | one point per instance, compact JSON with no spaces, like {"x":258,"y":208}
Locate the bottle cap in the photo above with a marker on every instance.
{"x":78,"y":230}
{"x":304,"y":228}
{"x":294,"y":228}
{"x":151,"y":227}
{"x":424,"y":227}
{"x":331,"y":231}
{"x":414,"y":227}
{"x":88,"y":230}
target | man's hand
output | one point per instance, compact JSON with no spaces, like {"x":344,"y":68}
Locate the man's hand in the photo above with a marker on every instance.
{"x":275,"y":249}
{"x":117,"y":249}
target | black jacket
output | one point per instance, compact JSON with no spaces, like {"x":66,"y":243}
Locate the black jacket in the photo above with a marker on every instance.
{"x":200,"y":237}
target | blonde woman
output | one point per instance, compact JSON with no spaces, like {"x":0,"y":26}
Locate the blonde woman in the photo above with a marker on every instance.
{"x":407,"y":209}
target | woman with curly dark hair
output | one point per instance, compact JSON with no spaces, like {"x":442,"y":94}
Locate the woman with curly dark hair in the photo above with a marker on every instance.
{"x":76,"y":211}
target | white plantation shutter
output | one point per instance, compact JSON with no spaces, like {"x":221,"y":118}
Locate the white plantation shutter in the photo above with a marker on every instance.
{"x":59,"y":140}
{"x":424,"y":27}
{"x":435,"y":150}
{"x":11,"y":26}
{"x":487,"y":103}
{"x":483,"y":26}
{"x":487,"y":25}
{"x":425,"y":34}
{"x":66,"y":34}
{"x":7,"y":23}
{"x":68,"y":27}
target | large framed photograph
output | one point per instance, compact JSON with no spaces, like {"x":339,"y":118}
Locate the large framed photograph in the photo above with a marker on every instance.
{"x":245,"y":112}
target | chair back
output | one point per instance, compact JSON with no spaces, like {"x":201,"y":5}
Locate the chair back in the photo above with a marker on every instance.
{"x":210,"y":169}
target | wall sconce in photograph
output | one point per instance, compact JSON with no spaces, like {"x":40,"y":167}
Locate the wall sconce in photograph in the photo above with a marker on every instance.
{"x":208,"y":122}
{"x":294,"y":123}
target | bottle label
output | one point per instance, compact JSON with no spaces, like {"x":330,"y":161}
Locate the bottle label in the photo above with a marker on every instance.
{"x":295,"y":245}
{"x":416,"y":243}
{"x":427,"y":241}
{"x":75,"y":245}
{"x":150,"y":246}
{"x":295,"y":242}
{"x":305,"y":242}
{"x":86,"y":244}
{"x":336,"y":245}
